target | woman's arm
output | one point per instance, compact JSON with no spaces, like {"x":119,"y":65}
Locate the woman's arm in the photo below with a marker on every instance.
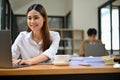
{"x":16,"y":50}
{"x":54,"y":46}
{"x":47,"y":54}
{"x":15,"y":47}
{"x":35,"y":60}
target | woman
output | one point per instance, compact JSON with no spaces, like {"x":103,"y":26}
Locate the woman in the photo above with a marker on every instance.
{"x":37,"y":44}
{"x":92,"y":33}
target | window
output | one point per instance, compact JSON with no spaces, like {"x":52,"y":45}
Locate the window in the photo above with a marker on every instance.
{"x":106,"y":27}
{"x":115,"y":29}
{"x":54,"y":22}
{"x":109,"y":28}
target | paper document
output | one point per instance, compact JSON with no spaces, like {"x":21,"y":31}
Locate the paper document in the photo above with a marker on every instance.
{"x":87,"y":61}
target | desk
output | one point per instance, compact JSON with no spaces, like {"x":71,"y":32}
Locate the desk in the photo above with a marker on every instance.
{"x":69,"y":71}
{"x":53,"y":70}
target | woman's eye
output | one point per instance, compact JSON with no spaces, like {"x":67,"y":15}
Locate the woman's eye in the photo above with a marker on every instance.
{"x":36,"y":18}
{"x":29,"y":18}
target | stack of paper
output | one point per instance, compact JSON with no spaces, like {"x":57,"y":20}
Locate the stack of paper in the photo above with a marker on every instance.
{"x":87,"y":61}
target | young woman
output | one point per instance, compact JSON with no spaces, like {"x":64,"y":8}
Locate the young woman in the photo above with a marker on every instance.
{"x":37,"y":44}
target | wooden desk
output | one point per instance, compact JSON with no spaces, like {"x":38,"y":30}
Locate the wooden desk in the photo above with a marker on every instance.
{"x":57,"y":70}
{"x":51,"y":72}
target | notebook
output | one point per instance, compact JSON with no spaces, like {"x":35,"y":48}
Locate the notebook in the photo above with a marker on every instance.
{"x":95,"y":50}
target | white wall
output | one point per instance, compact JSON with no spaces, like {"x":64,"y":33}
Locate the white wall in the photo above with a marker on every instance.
{"x":69,"y":5}
{"x":85,"y":14}
{"x":53,"y":7}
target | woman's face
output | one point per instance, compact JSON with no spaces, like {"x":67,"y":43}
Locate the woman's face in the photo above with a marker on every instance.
{"x":34,"y":20}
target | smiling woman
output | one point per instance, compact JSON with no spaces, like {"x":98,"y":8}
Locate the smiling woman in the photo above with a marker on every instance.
{"x":37,"y":44}
{"x":37,"y":21}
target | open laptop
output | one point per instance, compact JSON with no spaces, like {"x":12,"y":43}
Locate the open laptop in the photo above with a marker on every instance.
{"x":95,"y":50}
{"x":5,"y":51}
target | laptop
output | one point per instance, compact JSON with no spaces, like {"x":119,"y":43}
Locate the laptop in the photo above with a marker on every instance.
{"x":5,"y":51}
{"x":95,"y":50}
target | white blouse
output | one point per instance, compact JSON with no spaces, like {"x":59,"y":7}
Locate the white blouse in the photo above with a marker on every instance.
{"x":25,"y":46}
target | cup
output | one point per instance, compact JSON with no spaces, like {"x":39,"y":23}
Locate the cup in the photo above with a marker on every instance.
{"x":61,"y":58}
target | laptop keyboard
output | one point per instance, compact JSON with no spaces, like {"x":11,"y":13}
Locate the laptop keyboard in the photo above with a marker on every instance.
{"x":19,"y":65}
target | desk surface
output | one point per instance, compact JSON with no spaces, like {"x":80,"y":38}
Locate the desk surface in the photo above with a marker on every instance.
{"x":54,"y":70}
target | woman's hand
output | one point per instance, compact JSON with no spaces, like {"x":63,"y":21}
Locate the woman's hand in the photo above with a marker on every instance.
{"x":16,"y":61}
{"x":20,"y":61}
{"x":35,"y":60}
{"x":28,"y":62}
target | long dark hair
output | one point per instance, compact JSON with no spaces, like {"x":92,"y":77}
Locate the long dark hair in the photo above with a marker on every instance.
{"x":45,"y":30}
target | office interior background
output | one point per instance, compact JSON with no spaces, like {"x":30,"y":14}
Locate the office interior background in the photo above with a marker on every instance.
{"x":71,"y":18}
